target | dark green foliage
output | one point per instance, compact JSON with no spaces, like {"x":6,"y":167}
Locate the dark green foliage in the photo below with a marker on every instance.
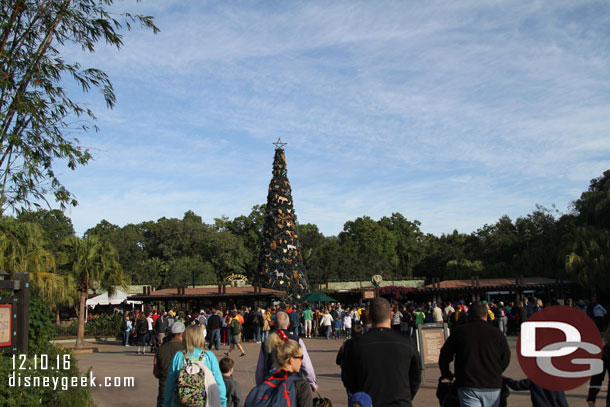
{"x":593,"y":207}
{"x":103,"y":325}
{"x":42,"y":328}
{"x":56,"y":226}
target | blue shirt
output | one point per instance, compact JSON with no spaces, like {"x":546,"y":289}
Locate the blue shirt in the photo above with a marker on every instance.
{"x":209,"y":360}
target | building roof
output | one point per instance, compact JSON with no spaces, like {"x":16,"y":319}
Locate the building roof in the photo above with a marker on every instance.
{"x":533,"y":282}
{"x":208,"y":292}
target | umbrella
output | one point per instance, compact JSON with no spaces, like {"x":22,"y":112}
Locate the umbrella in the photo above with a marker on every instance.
{"x":317,"y":296}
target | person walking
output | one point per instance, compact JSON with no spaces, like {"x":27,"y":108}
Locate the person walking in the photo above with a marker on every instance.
{"x":481,"y":354}
{"x":367,"y":360}
{"x":289,"y":357}
{"x":164,"y":357}
{"x":266,"y":360}
{"x":235,"y":329}
{"x":326,"y":322}
{"x":194,"y":345}
{"x":257,"y":323}
{"x":502,"y":319}
{"x":141,"y":333}
{"x":266,"y":313}
{"x":214,"y":325}
{"x":308,"y":317}
{"x":127,"y":327}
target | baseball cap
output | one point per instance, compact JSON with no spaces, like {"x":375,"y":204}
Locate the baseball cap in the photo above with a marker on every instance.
{"x":178,"y":327}
{"x":360,"y":399}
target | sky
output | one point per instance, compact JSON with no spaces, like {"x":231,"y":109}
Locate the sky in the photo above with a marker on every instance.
{"x":451,"y":113}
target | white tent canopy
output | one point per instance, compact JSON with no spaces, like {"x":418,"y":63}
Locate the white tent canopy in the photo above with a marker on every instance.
{"x":116,"y":299}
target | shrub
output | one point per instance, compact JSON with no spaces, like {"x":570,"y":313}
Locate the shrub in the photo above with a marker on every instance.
{"x":41,"y":324}
{"x":104,"y":325}
{"x":101,"y":325}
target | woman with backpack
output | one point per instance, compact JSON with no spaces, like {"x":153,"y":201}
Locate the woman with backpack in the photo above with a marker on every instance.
{"x":184,"y":383}
{"x":235,"y":328}
{"x":285,"y":386}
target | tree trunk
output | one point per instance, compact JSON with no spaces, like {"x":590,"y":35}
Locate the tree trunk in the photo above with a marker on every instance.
{"x":80,"y":335}
{"x":57,"y":317}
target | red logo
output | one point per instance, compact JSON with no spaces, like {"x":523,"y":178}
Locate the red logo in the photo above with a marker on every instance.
{"x":559,"y":348}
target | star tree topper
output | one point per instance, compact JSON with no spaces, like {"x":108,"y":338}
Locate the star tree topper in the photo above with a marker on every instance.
{"x":279,"y":144}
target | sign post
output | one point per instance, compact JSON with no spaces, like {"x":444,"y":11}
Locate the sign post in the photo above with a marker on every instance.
{"x":14,"y":314}
{"x":430,"y":340}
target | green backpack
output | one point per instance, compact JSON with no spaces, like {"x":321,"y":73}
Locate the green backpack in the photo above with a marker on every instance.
{"x":190,"y":389}
{"x":235,"y":327}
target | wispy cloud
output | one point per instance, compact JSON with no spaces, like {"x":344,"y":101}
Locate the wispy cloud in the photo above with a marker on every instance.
{"x":452,"y":113}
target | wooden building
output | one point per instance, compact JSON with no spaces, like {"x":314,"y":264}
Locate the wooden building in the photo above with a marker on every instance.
{"x":220,"y":296}
{"x":479,"y":289}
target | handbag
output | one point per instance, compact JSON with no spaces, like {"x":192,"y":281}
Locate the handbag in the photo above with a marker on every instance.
{"x":322,"y":402}
{"x":447,"y":394}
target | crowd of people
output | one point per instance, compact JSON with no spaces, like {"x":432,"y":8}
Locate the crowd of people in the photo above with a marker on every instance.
{"x":376,"y":336}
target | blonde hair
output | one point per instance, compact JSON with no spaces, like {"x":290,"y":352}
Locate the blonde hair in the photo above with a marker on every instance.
{"x":282,"y":350}
{"x":193,"y":338}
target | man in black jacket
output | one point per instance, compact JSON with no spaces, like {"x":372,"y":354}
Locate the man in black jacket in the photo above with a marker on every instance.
{"x":481,"y":355}
{"x":382,"y":362}
{"x":213,"y":328}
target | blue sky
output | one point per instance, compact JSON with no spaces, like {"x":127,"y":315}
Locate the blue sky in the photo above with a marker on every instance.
{"x":451,"y":113}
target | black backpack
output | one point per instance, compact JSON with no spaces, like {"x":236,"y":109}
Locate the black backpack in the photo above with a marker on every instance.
{"x":142,"y":326}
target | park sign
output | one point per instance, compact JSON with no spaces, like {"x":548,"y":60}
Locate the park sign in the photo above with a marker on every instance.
{"x":430,"y":339}
{"x":14,"y":314}
{"x":5,"y":324}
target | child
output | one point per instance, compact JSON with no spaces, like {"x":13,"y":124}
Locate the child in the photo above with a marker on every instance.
{"x":540,"y":397}
{"x":232,"y":386}
{"x":337,"y":326}
{"x":360,"y":400}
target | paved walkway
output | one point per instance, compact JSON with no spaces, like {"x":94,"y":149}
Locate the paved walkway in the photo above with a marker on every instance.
{"x":116,"y":360}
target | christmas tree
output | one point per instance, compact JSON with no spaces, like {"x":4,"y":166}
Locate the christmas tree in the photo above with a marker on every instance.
{"x":281,"y":264}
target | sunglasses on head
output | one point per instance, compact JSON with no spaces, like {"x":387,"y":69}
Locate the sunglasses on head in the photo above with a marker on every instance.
{"x":298,"y":357}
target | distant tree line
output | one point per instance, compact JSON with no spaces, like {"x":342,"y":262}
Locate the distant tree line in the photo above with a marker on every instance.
{"x":173,"y":252}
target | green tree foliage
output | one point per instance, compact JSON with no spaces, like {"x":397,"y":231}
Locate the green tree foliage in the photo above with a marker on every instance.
{"x":593,"y":207}
{"x":228,"y":255}
{"x":129,"y":243}
{"x":37,"y":116}
{"x":587,"y":243}
{"x":249,"y":229}
{"x":409,"y":248}
{"x":463,"y":269}
{"x":539,"y":244}
{"x":25,"y":247}
{"x":92,"y":263}
{"x":180,"y":252}
{"x":369,"y":248}
{"x":588,"y":258}
{"x":56,"y":226}
{"x":439,"y":251}
{"x":497,"y":244}
{"x":22,"y":248}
